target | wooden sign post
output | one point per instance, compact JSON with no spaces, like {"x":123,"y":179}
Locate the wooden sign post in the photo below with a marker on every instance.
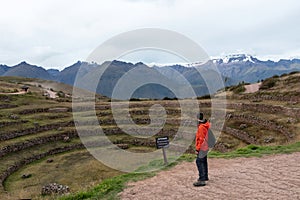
{"x":162,"y":143}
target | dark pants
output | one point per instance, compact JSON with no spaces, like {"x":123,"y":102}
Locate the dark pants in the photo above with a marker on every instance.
{"x":201,"y":162}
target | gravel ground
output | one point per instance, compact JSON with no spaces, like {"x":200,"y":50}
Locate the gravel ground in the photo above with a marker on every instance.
{"x":268,"y":177}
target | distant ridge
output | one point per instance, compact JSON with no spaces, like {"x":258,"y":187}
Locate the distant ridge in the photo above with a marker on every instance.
{"x":233,"y":68}
{"x":26,"y":70}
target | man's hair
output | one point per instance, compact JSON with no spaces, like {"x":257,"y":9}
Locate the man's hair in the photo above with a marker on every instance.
{"x":200,"y":117}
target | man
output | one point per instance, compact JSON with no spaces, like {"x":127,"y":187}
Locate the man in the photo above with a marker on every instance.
{"x":202,"y":150}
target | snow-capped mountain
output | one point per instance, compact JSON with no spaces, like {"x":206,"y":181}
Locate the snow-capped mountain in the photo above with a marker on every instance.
{"x":235,"y":58}
{"x":243,"y":67}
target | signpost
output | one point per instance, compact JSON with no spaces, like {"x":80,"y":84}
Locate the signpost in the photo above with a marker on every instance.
{"x":162,"y":143}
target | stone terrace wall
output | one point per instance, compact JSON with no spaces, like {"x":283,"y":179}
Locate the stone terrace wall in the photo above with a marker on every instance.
{"x":18,"y":133}
{"x":262,"y":123}
{"x":264,"y":108}
{"x":37,"y":141}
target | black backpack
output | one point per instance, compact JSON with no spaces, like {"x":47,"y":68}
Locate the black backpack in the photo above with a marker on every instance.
{"x":211,"y":139}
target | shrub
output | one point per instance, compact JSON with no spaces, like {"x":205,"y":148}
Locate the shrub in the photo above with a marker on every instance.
{"x":168,"y":98}
{"x":61,"y":94}
{"x":283,"y":75}
{"x":238,"y":88}
{"x":134,"y":99}
{"x":268,"y":83}
{"x":294,"y":72}
{"x":204,"y":97}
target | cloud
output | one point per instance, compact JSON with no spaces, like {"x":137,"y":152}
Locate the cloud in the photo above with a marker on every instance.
{"x":57,"y":33}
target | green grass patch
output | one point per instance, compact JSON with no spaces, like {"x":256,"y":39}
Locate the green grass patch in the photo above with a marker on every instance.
{"x":255,"y":150}
{"x":109,"y":188}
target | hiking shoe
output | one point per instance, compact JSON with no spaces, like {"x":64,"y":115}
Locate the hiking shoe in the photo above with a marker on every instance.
{"x":199,"y":183}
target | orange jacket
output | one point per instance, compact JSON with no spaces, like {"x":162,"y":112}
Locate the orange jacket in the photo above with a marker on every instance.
{"x":201,"y":143}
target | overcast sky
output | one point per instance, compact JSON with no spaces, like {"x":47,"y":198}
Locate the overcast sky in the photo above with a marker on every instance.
{"x":57,"y":33}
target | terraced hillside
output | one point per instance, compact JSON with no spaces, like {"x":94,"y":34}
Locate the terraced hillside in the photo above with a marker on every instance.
{"x":270,"y":116}
{"x":33,"y":126}
{"x":40,"y":145}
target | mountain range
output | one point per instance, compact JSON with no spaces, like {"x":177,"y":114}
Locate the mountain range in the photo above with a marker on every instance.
{"x":233,"y":69}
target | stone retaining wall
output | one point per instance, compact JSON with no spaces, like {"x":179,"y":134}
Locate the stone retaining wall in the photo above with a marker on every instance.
{"x":10,"y":123}
{"x":271,"y":125}
{"x":288,"y":97}
{"x":44,"y":110}
{"x":18,"y":133}
{"x":241,"y":135}
{"x":37,"y":141}
{"x":264,"y":108}
{"x":5,"y":106}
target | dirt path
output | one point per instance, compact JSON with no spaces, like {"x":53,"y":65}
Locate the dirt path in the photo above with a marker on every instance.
{"x":21,"y":92}
{"x":269,"y":177}
{"x":252,"y":88}
{"x":51,"y":94}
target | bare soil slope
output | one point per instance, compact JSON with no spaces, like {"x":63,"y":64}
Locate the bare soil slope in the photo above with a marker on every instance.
{"x":269,"y":177}
{"x":252,"y":87}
